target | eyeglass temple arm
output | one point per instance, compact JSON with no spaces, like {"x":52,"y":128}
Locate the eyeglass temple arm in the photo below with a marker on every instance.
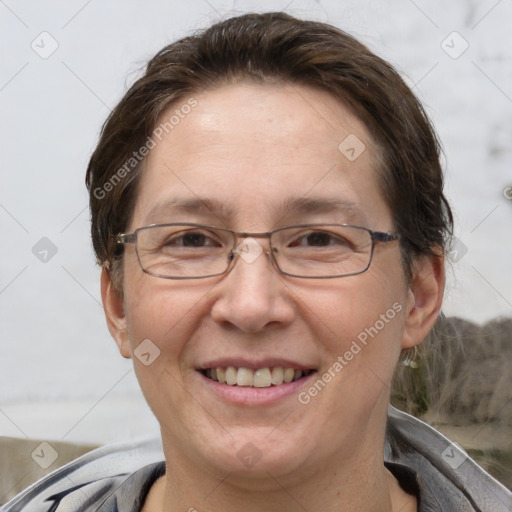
{"x":126,"y":238}
{"x":379,"y":236}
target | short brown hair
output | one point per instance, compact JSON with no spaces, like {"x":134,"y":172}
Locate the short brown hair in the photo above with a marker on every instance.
{"x":279,"y":48}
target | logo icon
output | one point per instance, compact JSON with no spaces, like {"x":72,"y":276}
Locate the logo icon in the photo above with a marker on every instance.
{"x":44,"y":45}
{"x":454,"y":455}
{"x":351,"y":147}
{"x":146,"y":352}
{"x":44,"y":250}
{"x":249,"y":455}
{"x":454,"y":45}
{"x":45,"y":455}
{"x":249,"y":249}
{"x":458,"y":250}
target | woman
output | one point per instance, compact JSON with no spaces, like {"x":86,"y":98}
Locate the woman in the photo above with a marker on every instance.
{"x":267,"y":206}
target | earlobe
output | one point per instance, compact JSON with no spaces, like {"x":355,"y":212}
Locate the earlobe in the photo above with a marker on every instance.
{"x":114,"y":313}
{"x":426,"y":295}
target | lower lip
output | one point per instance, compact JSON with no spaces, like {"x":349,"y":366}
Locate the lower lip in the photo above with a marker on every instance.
{"x":247,"y":395}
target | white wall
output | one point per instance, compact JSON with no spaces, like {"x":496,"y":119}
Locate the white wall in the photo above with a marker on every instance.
{"x":60,"y":374}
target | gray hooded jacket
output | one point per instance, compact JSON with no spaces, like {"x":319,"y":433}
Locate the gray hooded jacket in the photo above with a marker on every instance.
{"x":118,"y":477}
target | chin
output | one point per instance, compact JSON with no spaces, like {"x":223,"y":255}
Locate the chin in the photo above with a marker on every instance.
{"x":259,"y":454}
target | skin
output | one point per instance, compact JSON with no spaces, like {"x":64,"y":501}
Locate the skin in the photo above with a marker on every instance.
{"x":251,"y":146}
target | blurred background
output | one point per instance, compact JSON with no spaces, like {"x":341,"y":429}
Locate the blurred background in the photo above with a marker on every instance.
{"x":65,"y":64}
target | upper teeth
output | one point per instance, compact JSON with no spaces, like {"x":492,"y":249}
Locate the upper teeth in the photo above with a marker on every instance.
{"x":260,"y":378}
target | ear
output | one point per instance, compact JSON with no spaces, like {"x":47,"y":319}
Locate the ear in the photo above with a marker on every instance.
{"x":426,"y":296}
{"x":114,"y":313}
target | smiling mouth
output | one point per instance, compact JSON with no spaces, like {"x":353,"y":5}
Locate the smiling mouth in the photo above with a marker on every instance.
{"x":259,"y":378}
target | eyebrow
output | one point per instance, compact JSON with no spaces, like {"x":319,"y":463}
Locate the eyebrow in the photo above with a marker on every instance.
{"x":290,"y":206}
{"x":312,"y":205}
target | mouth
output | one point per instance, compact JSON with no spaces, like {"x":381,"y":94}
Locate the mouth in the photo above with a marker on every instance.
{"x":266,"y":377}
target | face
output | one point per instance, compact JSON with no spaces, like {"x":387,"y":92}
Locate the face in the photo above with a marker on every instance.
{"x":261,"y":157}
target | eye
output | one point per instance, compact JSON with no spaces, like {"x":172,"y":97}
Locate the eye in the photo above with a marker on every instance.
{"x":191,"y":239}
{"x":320,"y":239}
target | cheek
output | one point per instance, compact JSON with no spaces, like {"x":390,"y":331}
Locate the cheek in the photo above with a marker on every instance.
{"x":167,"y":313}
{"x":360,"y":321}
{"x":158,"y":326}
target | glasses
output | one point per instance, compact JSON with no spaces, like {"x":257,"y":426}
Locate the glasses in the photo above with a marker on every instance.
{"x":196,"y":251}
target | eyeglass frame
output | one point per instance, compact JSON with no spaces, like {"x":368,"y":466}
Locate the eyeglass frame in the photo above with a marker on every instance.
{"x":375,"y":236}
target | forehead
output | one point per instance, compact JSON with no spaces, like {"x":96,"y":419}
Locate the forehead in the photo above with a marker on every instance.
{"x":250,"y":152}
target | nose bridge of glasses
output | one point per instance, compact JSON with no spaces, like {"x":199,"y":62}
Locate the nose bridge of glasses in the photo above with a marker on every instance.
{"x":249,"y":248}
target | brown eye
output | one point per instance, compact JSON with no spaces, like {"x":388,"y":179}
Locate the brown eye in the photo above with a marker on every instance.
{"x":191,"y":239}
{"x":319,"y":239}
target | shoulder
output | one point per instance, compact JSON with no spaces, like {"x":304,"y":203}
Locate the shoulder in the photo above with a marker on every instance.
{"x":449,"y":479}
{"x":91,"y":480}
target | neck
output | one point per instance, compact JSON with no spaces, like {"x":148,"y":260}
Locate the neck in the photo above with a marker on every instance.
{"x":363,"y":485}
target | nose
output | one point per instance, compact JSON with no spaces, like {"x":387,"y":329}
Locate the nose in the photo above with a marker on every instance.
{"x":252,"y":295}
